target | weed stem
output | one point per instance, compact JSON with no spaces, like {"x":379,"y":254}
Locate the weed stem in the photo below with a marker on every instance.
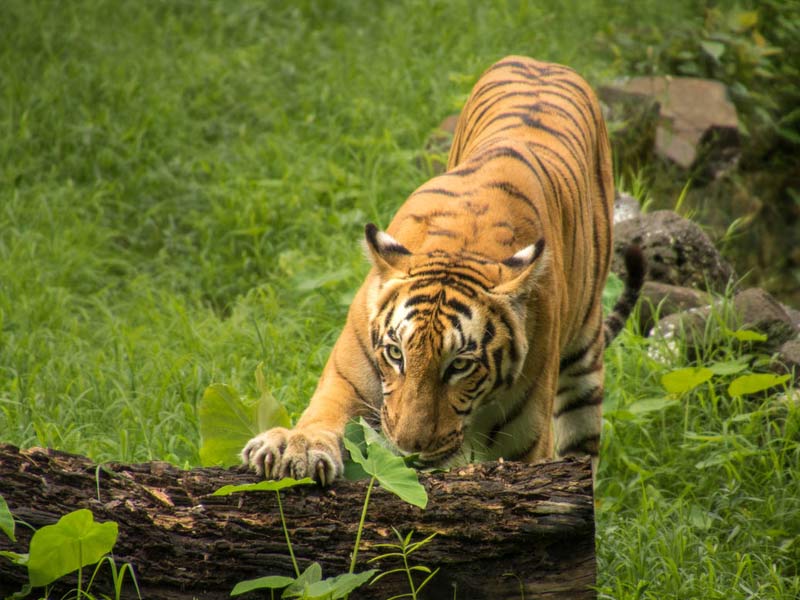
{"x":286,"y":533}
{"x":361,"y":524}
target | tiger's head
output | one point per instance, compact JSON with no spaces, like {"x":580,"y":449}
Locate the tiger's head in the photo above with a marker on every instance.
{"x":448,"y":334}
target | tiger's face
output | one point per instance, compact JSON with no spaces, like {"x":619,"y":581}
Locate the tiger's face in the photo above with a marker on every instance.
{"x":447,"y":340}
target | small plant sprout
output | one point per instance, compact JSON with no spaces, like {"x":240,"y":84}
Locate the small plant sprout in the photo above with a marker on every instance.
{"x":403,"y":550}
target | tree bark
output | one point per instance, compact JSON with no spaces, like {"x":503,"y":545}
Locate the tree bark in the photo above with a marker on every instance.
{"x":503,"y":530}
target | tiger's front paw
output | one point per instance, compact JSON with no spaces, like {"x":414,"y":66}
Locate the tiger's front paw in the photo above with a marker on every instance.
{"x":297,"y":453}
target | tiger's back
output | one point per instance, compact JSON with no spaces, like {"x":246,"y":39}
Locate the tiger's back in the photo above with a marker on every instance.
{"x":478,"y":333}
{"x":530,"y":158}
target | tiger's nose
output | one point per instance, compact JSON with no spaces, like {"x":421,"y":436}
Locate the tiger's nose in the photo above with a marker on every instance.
{"x":409,"y":442}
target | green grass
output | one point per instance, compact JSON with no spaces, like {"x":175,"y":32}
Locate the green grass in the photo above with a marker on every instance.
{"x":183,"y":188}
{"x":699,"y":494}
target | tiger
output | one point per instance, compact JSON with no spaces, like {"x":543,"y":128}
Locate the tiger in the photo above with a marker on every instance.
{"x":478,"y":333}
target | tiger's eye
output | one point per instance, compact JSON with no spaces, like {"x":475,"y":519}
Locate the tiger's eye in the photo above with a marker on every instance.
{"x":459,"y":364}
{"x":394,"y":353}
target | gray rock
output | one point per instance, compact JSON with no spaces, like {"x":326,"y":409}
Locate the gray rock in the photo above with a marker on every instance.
{"x":659,"y":300}
{"x":698,"y":127}
{"x":752,"y":309}
{"x":678,"y":252}
{"x":625,"y":207}
{"x":758,"y":310}
{"x":787,"y":359}
{"x":632,"y":119}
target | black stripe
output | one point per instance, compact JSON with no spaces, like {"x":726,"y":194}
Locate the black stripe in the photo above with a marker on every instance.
{"x":592,"y":367}
{"x":414,"y":312}
{"x":560,"y":159}
{"x":454,"y":284}
{"x":464,"y":171}
{"x":523,"y":454}
{"x":550,"y":108}
{"x":513,"y":354}
{"x":497,"y":360}
{"x":351,"y":384}
{"x":570,"y":99}
{"x":561,"y":136}
{"x":570,"y":359}
{"x":587,"y":445}
{"x":442,"y":233}
{"x":388,"y":306}
{"x":455,"y":322}
{"x":510,"y":416}
{"x":368,"y":356}
{"x":546,"y":172}
{"x":591,"y":397}
{"x":506,"y":152}
{"x":437,"y":191}
{"x":420,"y":299}
{"x":503,"y":95}
{"x":488,"y":334}
{"x":516,"y":193}
{"x":450,"y":274}
{"x":451,"y":269}
{"x":459,"y":307}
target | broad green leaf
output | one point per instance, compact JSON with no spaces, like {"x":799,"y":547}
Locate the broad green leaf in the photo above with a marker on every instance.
{"x":227,"y":422}
{"x":651,"y":405}
{"x":728,"y":367}
{"x":263,"y":486}
{"x":271,"y":413}
{"x":391,"y":472}
{"x":355,"y":432}
{"x":354,"y":471}
{"x":684,"y":380}
{"x":6,"y":520}
{"x":226,"y":425}
{"x":272,"y":582}
{"x":360,"y":433}
{"x":746,"y":335}
{"x":337,"y":587}
{"x":74,"y":542}
{"x":310,"y":576}
{"x":751,"y":384}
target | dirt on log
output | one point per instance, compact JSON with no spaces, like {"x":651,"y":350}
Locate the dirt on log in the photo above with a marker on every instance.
{"x":504,"y":530}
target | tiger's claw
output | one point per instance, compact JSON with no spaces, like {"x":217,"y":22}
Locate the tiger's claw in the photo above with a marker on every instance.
{"x":297,"y":453}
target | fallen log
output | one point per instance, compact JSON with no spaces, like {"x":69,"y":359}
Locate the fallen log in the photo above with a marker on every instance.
{"x":504,"y":530}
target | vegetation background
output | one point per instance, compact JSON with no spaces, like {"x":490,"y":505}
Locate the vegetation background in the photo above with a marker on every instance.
{"x":183,"y":188}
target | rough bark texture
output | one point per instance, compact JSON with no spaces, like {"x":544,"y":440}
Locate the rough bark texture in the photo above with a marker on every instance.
{"x":504,"y":530}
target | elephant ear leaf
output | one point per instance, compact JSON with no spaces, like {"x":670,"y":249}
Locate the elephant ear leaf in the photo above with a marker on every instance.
{"x":74,"y":542}
{"x":390,"y":470}
{"x":228,"y":421}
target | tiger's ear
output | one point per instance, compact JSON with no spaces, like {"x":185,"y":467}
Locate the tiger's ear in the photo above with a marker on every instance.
{"x":521,"y":271}
{"x":384,"y":252}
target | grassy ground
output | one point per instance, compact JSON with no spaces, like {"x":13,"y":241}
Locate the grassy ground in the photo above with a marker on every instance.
{"x":183,"y":187}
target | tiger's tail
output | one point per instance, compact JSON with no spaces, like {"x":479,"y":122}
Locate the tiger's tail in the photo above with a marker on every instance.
{"x":635,"y":267}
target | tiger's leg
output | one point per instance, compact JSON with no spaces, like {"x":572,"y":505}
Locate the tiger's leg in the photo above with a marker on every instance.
{"x":349,"y":387}
{"x":577,"y":411}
